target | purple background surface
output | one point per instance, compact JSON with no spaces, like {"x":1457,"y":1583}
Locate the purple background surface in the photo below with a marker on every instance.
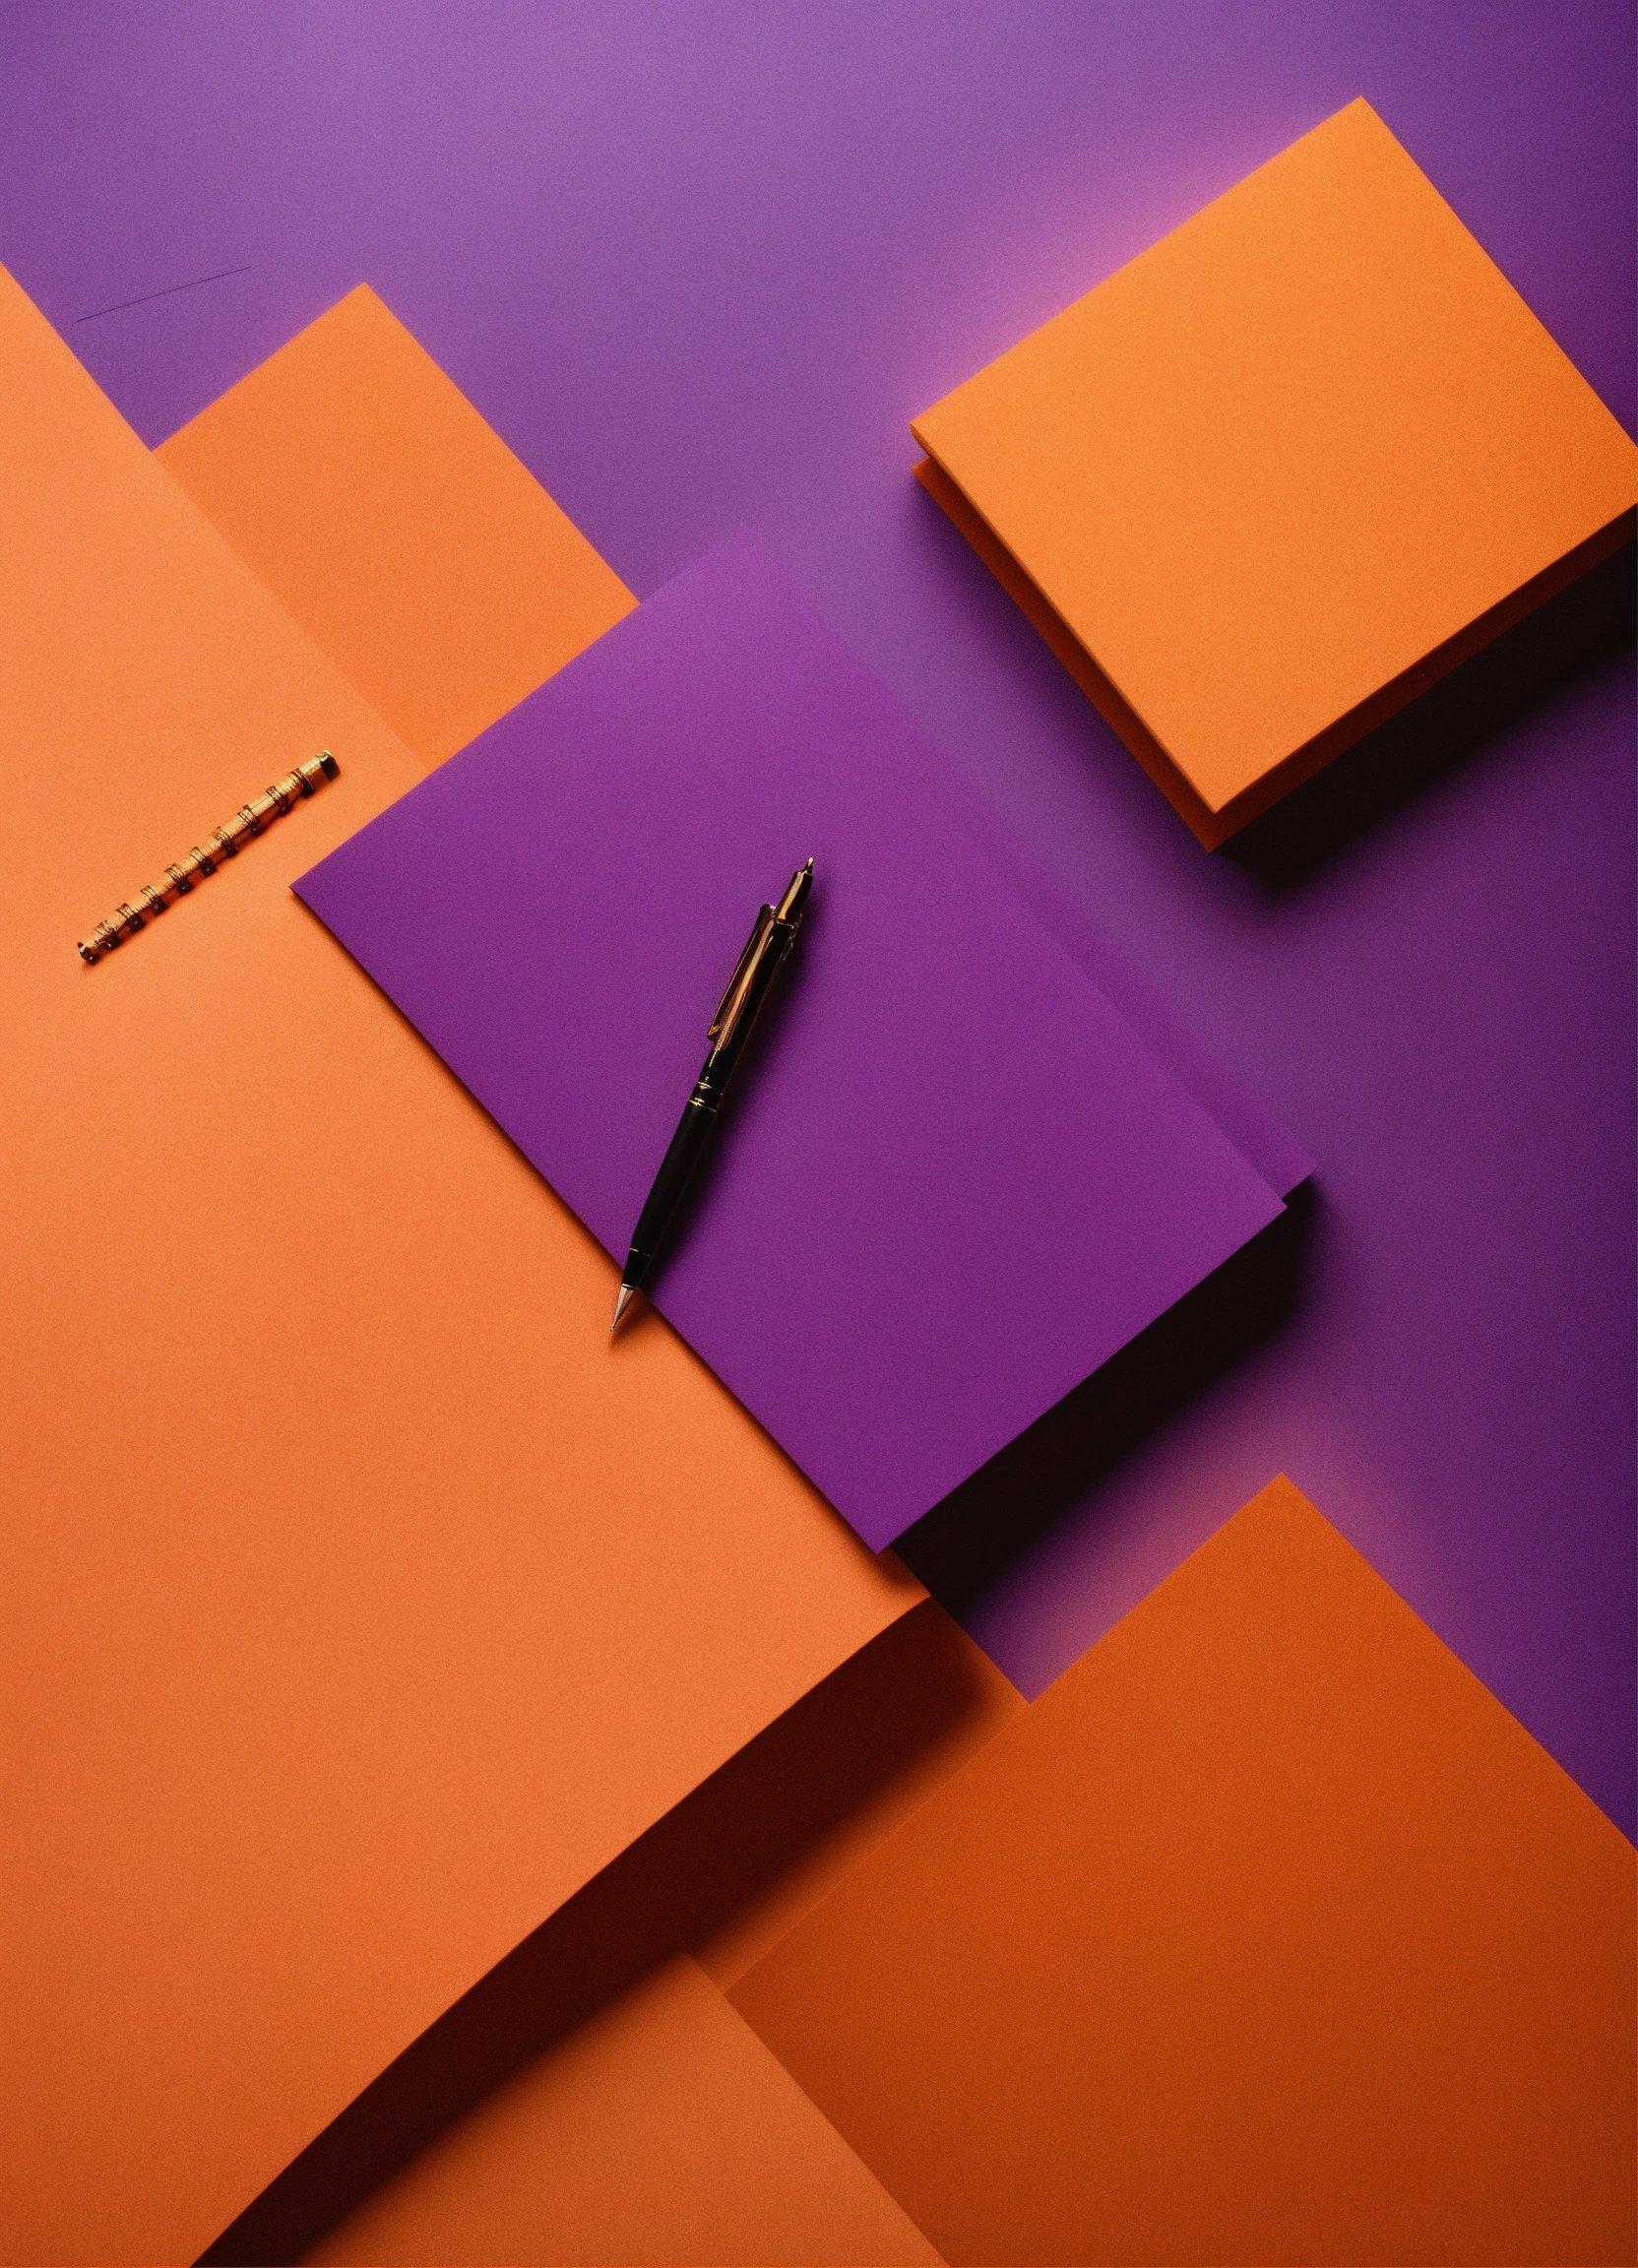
{"x":956,"y":1180}
{"x":700,"y":264}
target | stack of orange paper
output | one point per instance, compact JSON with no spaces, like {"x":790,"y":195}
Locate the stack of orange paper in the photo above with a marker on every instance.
{"x":1271,"y":479}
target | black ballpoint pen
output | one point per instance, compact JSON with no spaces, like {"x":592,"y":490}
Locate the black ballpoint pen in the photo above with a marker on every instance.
{"x":771,"y":939}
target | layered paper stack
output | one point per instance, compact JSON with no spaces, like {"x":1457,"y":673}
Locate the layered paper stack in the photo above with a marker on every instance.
{"x":368,"y":1626}
{"x":1270,"y":480}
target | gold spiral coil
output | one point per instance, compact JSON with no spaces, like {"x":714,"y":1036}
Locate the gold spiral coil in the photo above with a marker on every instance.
{"x":225,"y":842}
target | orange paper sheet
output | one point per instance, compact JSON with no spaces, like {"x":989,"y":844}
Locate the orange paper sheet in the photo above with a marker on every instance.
{"x":1268,"y":481}
{"x":362,"y":1608}
{"x":592,"y":2100}
{"x":399,"y":531}
{"x":1265,"y":1935}
{"x":662,"y":2131}
{"x":656,"y":2128}
{"x":442,"y":2156}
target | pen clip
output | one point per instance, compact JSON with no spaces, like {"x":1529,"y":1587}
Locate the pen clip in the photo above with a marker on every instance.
{"x":738,"y":985}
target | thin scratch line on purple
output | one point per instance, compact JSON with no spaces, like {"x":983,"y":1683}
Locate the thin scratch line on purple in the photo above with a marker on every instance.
{"x":164,"y":291}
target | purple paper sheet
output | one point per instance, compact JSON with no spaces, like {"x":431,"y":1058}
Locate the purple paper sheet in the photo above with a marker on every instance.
{"x":956,"y":1179}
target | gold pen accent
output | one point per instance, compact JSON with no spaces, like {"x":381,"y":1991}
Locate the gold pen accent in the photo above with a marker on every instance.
{"x":732,"y":1006}
{"x":225,"y":842}
{"x":795,"y":890}
{"x":720,"y":1028}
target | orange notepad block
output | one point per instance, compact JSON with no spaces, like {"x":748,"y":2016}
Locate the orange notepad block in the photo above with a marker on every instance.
{"x":397,"y":527}
{"x":1265,"y":1935}
{"x":1283,"y":470}
{"x":361,"y":1607}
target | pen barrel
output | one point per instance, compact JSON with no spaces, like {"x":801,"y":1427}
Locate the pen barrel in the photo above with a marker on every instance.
{"x":687,"y":1148}
{"x":697,"y":1127}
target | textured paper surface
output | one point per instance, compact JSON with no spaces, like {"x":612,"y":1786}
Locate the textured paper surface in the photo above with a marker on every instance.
{"x":362,"y":1608}
{"x":1263,"y":483}
{"x":956,"y":1182}
{"x":1266,"y":1934}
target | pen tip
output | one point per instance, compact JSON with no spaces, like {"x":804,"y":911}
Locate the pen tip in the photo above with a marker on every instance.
{"x":622,"y":1302}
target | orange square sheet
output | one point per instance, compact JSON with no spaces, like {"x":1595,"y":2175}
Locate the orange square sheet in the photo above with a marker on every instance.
{"x":1270,"y":480}
{"x":363,"y":1606}
{"x":1265,"y":1935}
{"x":397,"y":527}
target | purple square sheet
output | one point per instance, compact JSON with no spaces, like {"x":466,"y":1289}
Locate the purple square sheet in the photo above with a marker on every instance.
{"x":955,"y":1176}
